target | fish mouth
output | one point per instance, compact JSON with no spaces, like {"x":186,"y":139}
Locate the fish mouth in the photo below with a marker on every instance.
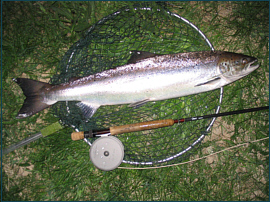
{"x":253,"y":65}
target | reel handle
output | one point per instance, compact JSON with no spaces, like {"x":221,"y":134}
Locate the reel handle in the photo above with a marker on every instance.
{"x":115,"y":130}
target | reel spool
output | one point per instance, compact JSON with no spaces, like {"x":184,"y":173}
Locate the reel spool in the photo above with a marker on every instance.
{"x":108,"y":44}
{"x":107,"y":153}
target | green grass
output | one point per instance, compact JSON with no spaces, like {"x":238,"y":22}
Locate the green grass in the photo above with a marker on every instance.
{"x":36,"y":36}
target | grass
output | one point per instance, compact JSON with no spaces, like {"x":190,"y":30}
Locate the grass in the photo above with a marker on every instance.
{"x":36,"y":36}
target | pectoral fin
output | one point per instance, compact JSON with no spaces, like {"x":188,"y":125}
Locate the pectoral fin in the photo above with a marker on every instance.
{"x":139,"y":104}
{"x":88,"y":109}
{"x":211,"y":81}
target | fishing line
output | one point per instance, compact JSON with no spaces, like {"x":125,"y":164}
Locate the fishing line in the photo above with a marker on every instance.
{"x":192,"y":161}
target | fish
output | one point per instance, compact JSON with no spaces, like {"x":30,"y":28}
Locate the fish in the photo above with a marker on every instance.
{"x":145,"y":78}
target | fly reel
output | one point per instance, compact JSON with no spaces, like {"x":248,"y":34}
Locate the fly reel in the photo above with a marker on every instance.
{"x":107,"y":153}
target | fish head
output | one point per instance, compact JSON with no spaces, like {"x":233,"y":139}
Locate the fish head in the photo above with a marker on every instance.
{"x":234,"y":66}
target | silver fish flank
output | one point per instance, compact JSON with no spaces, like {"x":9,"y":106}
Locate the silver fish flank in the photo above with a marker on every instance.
{"x":146,"y":77}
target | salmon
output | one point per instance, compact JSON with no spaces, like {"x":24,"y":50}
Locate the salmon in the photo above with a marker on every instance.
{"x":146,"y":77}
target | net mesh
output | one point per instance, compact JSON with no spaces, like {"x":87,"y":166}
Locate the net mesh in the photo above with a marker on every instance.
{"x":108,"y":44}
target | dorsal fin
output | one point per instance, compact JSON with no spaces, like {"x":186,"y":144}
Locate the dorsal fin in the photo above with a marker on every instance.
{"x":74,"y":79}
{"x":136,"y":56}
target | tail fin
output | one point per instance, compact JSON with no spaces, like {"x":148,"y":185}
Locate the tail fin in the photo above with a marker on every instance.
{"x":32,"y":90}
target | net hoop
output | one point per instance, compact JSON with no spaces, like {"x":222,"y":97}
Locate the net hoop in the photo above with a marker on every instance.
{"x":203,"y":134}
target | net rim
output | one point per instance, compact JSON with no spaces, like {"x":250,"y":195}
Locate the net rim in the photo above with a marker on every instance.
{"x":197,"y":141}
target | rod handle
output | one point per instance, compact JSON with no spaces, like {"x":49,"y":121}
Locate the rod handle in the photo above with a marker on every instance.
{"x":141,"y":126}
{"x":148,"y":125}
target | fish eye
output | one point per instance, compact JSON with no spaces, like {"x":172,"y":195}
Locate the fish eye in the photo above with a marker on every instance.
{"x":244,"y":61}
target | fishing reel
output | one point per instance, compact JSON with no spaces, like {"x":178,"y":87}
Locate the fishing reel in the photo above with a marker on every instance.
{"x":107,"y":153}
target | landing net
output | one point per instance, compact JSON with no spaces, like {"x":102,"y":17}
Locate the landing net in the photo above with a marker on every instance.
{"x":108,"y":44}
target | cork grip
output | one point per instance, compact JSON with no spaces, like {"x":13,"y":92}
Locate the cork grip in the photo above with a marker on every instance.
{"x":129,"y":128}
{"x":77,"y":135}
{"x":141,"y":126}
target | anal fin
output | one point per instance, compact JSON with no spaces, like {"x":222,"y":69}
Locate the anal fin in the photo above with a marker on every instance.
{"x":88,"y":109}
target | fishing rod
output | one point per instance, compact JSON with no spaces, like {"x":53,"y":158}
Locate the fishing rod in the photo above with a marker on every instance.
{"x":120,"y":129}
{"x":149,"y":125}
